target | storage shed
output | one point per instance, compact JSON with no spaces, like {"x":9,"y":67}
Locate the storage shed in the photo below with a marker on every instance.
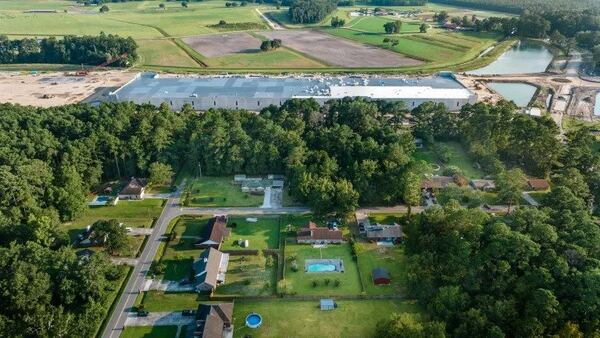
{"x":327,"y":304}
{"x":381,"y":277}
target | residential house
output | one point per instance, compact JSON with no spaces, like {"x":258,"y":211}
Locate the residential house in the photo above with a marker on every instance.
{"x":312,"y":234}
{"x":484,"y":185}
{"x":437,"y":182}
{"x":87,"y":238}
{"x":381,"y":276}
{"x":210,"y":269}
{"x":537,"y":184}
{"x":134,"y":190}
{"x":384,"y":233}
{"x":214,"y":321}
{"x":215,"y":232}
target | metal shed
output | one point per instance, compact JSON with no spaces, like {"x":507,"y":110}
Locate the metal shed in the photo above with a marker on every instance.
{"x":327,"y":304}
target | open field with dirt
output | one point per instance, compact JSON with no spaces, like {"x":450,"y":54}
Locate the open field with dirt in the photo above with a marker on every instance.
{"x":339,"y":52}
{"x":55,"y":89}
{"x":223,"y":44}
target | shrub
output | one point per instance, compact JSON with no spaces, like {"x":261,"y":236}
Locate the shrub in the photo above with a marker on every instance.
{"x":336,"y":283}
{"x":222,"y":22}
{"x":327,"y":281}
{"x":247,"y":282}
{"x":294,"y":266}
{"x":314,"y":283}
{"x":104,"y":9}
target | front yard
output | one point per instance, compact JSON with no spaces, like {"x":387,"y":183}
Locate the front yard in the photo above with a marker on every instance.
{"x":356,"y":318}
{"x":220,"y":192}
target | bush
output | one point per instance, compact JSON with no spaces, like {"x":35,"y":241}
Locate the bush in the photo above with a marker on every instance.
{"x":247,"y":282}
{"x":294,"y":266}
{"x":336,"y":283}
{"x":327,"y":281}
{"x":314,"y":283}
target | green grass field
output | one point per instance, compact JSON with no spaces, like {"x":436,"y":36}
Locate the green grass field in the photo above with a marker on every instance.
{"x":372,"y":256}
{"x":248,"y":276}
{"x":220,"y":192}
{"x":131,"y":213}
{"x":167,"y":331}
{"x":260,"y":235}
{"x":457,"y":157}
{"x":158,"y":34}
{"x":301,"y":282}
{"x":304,"y":318}
{"x":159,"y":301}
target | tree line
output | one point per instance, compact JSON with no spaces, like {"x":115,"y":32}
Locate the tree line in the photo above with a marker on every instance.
{"x":521,"y":6}
{"x":88,"y":50}
{"x":310,"y":11}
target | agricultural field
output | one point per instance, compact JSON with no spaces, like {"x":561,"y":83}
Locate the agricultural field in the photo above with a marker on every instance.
{"x":166,"y":36}
{"x":352,"y":318}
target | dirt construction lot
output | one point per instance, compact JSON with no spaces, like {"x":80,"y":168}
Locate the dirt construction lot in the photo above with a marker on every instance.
{"x":223,"y":44}
{"x":339,"y":52}
{"x":56,"y":89}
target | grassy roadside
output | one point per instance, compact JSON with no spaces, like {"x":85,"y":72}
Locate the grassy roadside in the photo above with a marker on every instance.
{"x":114,"y":302}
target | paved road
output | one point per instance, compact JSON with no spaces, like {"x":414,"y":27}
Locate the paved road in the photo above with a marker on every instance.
{"x":116,"y":323}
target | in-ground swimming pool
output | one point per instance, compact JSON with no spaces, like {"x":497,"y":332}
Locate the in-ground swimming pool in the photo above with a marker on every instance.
{"x":318,"y":267}
{"x":253,"y":320}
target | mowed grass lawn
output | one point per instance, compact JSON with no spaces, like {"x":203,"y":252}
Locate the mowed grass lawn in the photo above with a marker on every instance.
{"x":391,"y":259}
{"x":249,"y":276}
{"x":263,"y":234}
{"x":457,"y":157}
{"x":131,"y":213}
{"x":159,"y":301}
{"x":180,"y":253}
{"x":220,"y":192}
{"x":350,"y":319}
{"x":167,"y":331}
{"x":374,"y":24}
{"x":300,"y":282}
{"x":439,"y":48}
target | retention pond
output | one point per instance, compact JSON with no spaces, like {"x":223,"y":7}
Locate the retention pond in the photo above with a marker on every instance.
{"x":524,"y":57}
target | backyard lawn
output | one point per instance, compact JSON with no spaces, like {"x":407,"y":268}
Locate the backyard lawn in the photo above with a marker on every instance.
{"x":249,"y":276}
{"x":167,"y":331}
{"x":356,"y":318}
{"x":391,"y":259}
{"x":260,"y":235}
{"x":220,"y":192}
{"x":300,"y":282}
{"x":455,"y":155}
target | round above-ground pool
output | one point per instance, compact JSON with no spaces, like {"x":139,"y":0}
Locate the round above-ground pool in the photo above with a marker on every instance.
{"x":253,"y":320}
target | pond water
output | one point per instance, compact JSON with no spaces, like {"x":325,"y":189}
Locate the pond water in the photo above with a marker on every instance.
{"x":523,"y":57}
{"x":520,"y":93}
{"x":597,"y":105}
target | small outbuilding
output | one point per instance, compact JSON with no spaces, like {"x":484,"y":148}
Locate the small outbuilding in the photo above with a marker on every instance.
{"x":537,"y":184}
{"x":327,"y":304}
{"x":381,"y":277}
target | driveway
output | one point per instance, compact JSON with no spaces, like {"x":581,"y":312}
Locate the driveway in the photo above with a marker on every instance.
{"x":159,"y":319}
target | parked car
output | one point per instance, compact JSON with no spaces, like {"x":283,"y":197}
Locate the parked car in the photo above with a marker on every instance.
{"x":184,"y":281}
{"x":143,"y":313}
{"x":188,"y":313}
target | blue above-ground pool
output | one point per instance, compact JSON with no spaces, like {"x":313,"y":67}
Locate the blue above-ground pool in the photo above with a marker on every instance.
{"x":253,"y":320}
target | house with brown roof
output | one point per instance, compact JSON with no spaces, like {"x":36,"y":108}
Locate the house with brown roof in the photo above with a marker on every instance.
{"x":214,"y":321}
{"x":215,"y":232}
{"x":134,"y":190}
{"x":312,"y":234}
{"x":437,"y":182}
{"x":484,"y":185}
{"x":384,"y":233}
{"x":210,"y":269}
{"x":537,"y":184}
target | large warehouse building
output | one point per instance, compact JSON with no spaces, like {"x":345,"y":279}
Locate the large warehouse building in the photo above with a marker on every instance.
{"x":257,"y":92}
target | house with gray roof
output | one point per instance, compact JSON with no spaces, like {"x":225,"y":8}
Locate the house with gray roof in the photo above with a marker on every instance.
{"x":210,"y":269}
{"x":214,"y":321}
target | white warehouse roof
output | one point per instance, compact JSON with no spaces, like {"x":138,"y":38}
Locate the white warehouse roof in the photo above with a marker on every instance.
{"x":399,"y":92}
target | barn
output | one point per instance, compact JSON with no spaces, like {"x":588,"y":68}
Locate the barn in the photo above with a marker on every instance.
{"x":381,"y":277}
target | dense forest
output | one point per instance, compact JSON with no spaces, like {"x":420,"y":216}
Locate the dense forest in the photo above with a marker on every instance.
{"x":88,"y":50}
{"x":310,"y":11}
{"x":519,"y":6}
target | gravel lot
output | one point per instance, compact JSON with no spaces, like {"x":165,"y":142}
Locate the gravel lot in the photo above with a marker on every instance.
{"x":338,"y":51}
{"x":223,"y":44}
